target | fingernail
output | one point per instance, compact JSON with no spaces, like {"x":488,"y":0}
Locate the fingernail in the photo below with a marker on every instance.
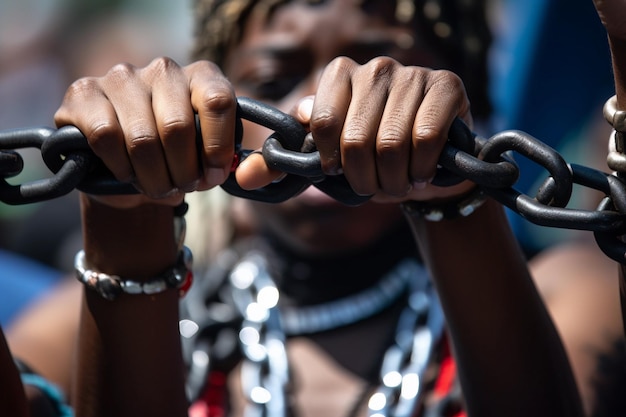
{"x":192,"y":186}
{"x":281,"y":177}
{"x":305,"y":108}
{"x":420,"y":185}
{"x":214,"y":176}
{"x":135,"y":184}
{"x":170,"y":193}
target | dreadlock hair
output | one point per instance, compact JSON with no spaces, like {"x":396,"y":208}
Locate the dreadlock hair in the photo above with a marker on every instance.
{"x":458,"y":29}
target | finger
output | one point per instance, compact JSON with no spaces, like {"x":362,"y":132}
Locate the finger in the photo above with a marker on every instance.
{"x":330,"y":107}
{"x":371,"y":87}
{"x":86,"y":106}
{"x":393,"y":142}
{"x":213,"y":98}
{"x":444,"y":100}
{"x":175,"y":122}
{"x":303,"y":109}
{"x":132,"y":101}
{"x":254,"y":173}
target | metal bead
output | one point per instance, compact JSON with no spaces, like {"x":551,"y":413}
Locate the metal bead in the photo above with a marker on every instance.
{"x":108,"y":286}
{"x":132,"y":287}
{"x":154,"y":287}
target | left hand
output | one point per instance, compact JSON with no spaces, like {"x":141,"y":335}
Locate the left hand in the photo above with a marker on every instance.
{"x":382,"y":124}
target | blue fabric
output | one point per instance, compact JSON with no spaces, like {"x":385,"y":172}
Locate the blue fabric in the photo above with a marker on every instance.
{"x":21,"y":282}
{"x":51,"y":391}
{"x":551,"y":71}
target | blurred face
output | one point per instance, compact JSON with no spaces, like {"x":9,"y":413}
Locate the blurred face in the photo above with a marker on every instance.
{"x":279,"y":61}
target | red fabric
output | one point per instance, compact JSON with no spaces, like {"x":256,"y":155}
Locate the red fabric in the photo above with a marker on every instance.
{"x":447,"y":375}
{"x":213,"y":400}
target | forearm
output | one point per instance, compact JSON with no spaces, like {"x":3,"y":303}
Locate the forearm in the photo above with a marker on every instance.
{"x":511,"y":361}
{"x":129,"y":361}
{"x":618,"y":53}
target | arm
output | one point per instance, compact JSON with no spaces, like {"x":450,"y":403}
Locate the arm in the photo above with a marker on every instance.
{"x":511,"y":361}
{"x":140,"y":122}
{"x":510,"y":358}
{"x":129,"y":358}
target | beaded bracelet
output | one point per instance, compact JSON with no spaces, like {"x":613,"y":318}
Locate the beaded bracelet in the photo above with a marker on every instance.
{"x":434,"y":212}
{"x":179,"y":277}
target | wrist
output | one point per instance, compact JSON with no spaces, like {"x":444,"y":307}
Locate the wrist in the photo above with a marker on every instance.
{"x":618,"y":55}
{"x":460,"y":205}
{"x":138,"y":241}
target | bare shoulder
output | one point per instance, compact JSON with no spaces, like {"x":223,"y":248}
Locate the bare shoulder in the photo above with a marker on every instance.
{"x":580,"y":286}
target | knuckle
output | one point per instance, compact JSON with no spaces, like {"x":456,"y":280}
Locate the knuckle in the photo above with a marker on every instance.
{"x":381,"y":68}
{"x":390,"y":144}
{"x":101,"y":134}
{"x":141,"y":143}
{"x":395,"y":131}
{"x":411,"y":76}
{"x":364,"y":189}
{"x":159,"y":67}
{"x":82,"y":87}
{"x":427,"y":134}
{"x":175,"y":127}
{"x":121,"y":72}
{"x":218,"y":101}
{"x":162,"y":64}
{"x":355,"y":134}
{"x":218,"y":154}
{"x":447,"y":81}
{"x":325,"y":122}
{"x":340,"y":65}
{"x":354,"y":141}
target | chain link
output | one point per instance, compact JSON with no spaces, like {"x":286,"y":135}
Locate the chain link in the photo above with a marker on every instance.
{"x":265,"y":372}
{"x":405,"y":363}
{"x":487,"y":162}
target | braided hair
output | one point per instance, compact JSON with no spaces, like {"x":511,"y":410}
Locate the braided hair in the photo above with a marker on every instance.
{"x":457,"y":28}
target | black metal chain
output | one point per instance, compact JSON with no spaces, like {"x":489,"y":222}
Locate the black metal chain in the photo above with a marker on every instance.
{"x":487,"y":162}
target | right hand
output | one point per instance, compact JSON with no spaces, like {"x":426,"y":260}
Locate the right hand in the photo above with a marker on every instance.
{"x":141,"y":123}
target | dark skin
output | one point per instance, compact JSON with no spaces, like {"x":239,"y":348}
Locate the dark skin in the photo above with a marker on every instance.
{"x":140,"y":122}
{"x":361,"y":123}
